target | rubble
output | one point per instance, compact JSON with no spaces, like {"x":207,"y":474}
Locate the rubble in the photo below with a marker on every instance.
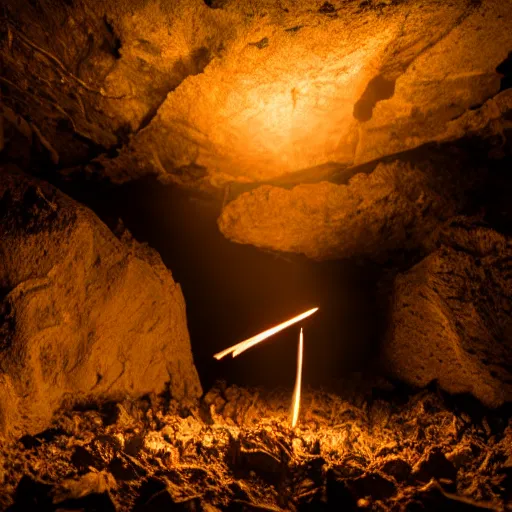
{"x":433,"y":452}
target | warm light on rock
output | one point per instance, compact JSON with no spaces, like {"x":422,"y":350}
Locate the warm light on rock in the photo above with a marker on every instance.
{"x":294,"y":91}
{"x":354,"y":154}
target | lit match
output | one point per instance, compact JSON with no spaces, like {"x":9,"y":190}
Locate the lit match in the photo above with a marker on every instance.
{"x":298,"y":381}
{"x":250,"y":342}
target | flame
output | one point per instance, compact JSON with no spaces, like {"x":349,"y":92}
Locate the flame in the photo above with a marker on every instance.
{"x":250,"y":342}
{"x":298,"y":380}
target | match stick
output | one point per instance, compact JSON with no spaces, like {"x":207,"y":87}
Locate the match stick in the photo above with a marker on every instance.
{"x":250,"y":342}
{"x":298,"y":380}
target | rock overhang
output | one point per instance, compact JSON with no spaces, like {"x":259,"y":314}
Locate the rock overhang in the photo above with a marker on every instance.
{"x":349,"y":88}
{"x":253,"y":92}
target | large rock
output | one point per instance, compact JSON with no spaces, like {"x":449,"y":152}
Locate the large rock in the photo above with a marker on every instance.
{"x":394,"y":207}
{"x":377,"y":210}
{"x":310,"y":86}
{"x":82,"y":313}
{"x":451,"y":316}
{"x":252,"y":91}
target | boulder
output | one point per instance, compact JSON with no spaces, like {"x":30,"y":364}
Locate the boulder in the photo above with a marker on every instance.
{"x":83,"y":314}
{"x":451,"y":315}
{"x":394,"y":207}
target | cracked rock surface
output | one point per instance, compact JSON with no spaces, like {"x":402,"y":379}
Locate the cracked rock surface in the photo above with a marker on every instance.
{"x":395,"y":207}
{"x":348,"y":87}
{"x":247,"y":91}
{"x":82,"y":312}
{"x":451,"y":315}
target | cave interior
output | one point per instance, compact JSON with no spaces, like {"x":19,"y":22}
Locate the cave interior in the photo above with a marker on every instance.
{"x":178,"y":176}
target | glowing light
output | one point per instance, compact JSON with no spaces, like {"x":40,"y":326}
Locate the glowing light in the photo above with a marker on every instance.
{"x":298,"y":380}
{"x":254,"y":340}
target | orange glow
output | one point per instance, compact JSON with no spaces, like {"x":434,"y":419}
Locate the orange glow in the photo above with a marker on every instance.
{"x":250,"y":342}
{"x":298,"y":381}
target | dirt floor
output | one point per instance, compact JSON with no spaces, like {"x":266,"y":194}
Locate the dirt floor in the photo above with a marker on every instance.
{"x":235,"y":450}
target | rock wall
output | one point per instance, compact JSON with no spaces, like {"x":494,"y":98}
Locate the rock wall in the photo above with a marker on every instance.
{"x":451,"y":316}
{"x":83,"y":314}
{"x":308,"y":86}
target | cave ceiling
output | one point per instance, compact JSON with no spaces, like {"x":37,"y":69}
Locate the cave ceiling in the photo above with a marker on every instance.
{"x":247,"y":92}
{"x":275,"y":107}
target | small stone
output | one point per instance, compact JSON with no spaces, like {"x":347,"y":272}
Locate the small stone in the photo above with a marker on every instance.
{"x":297,"y":445}
{"x":232,"y":393}
{"x":83,"y":459}
{"x":90,"y":483}
{"x":213,"y":397}
{"x":434,"y":465}
{"x":374,"y":485}
{"x":104,"y":447}
{"x":399,"y":469}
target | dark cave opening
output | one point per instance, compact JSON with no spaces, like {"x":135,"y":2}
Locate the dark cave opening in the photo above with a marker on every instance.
{"x":505,"y":69}
{"x":234,"y":291}
{"x":378,"y":89}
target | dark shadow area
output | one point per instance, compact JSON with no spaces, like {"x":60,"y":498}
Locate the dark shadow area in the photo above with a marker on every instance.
{"x":505,"y":69}
{"x":215,"y":4}
{"x":469,"y":152}
{"x":234,"y":291}
{"x":378,"y":89}
{"x":111,"y":43}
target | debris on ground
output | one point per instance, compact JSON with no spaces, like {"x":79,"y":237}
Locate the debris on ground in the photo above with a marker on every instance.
{"x":235,"y":450}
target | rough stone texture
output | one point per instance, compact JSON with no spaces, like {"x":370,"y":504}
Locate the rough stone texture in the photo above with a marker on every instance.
{"x":451,"y":316}
{"x":90,"y":73}
{"x":82,"y":313}
{"x":244,"y":456}
{"x":394,"y":207}
{"x":251,"y":91}
{"x":305,"y":98}
{"x":492,"y":121}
